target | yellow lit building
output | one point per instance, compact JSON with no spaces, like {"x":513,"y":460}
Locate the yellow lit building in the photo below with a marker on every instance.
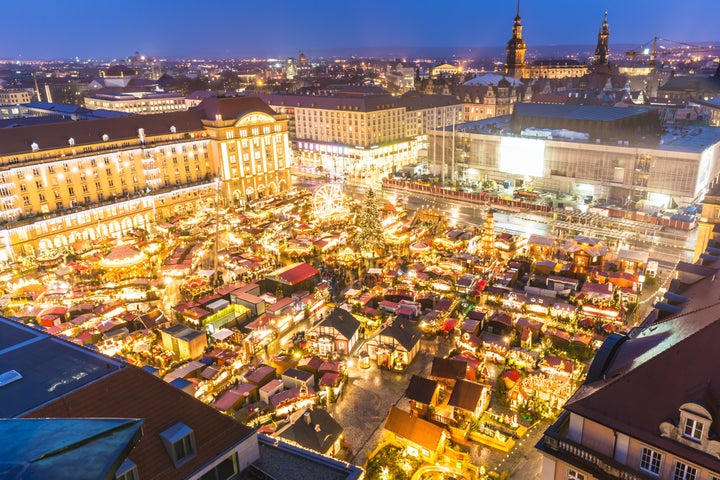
{"x":360,"y":135}
{"x":68,"y":181}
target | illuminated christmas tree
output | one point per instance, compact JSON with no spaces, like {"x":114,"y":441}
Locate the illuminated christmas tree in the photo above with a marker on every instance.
{"x":370,"y":237}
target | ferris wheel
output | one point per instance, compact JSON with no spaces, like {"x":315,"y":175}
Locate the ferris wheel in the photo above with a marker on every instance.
{"x":328,"y":200}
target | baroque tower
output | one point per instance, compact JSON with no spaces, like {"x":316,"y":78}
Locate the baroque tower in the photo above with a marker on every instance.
{"x":515,"y":50}
{"x":602,"y":51}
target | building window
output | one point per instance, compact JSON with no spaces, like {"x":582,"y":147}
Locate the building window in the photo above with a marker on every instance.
{"x":179,"y":442}
{"x":224,"y":470}
{"x":684,"y":472}
{"x":693,"y":429}
{"x":650,"y":461}
{"x":127,"y":471}
{"x":574,"y":475}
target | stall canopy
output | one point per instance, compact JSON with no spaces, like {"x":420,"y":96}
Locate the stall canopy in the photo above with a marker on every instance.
{"x":222,"y":334}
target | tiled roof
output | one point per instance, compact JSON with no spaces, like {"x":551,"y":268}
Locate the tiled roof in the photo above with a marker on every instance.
{"x":418,"y":431}
{"x":134,"y":393}
{"x":368,"y":103}
{"x":342,"y":321}
{"x":86,"y":132}
{"x":448,"y":368}
{"x":297,"y":273}
{"x":405,"y":332}
{"x":314,"y":429}
{"x":232,"y":108}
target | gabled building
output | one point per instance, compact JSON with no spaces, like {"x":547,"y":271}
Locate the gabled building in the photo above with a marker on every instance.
{"x":422,"y":393}
{"x":337,"y":333}
{"x":417,"y":437}
{"x":314,"y":429}
{"x":396,"y":345}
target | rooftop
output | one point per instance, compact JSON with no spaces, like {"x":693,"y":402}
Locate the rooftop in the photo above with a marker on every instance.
{"x":65,"y":444}
{"x":691,"y":139}
{"x":278,"y":458}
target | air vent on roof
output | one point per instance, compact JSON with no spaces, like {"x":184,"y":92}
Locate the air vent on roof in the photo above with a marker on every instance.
{"x":173,"y":129}
{"x":71,"y":141}
{"x":105,"y":137}
{"x":35,"y":147}
{"x":9,"y":377}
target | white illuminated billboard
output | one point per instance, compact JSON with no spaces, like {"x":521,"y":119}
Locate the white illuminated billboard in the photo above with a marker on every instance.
{"x":522,"y":156}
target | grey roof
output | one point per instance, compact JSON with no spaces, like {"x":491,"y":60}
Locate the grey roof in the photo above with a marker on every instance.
{"x":280,"y":459}
{"x":577,"y":112}
{"x":404,"y":331}
{"x":367,"y":103}
{"x":691,"y":139}
{"x":49,"y":367}
{"x":314,"y":429}
{"x":691,"y":83}
{"x":66,"y":443}
{"x":342,"y":321}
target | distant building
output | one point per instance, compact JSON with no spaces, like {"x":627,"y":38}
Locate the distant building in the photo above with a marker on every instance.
{"x":360,"y":135}
{"x":517,"y":67}
{"x":691,"y":87}
{"x":140,"y":103}
{"x":400,"y":76}
{"x":14,"y":96}
{"x":615,"y":154}
{"x":515,"y":49}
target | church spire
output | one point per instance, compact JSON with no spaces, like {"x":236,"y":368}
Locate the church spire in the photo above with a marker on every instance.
{"x":515,"y":50}
{"x":602,"y":51}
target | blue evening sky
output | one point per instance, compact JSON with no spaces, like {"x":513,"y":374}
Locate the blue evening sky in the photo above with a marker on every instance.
{"x":45,"y":29}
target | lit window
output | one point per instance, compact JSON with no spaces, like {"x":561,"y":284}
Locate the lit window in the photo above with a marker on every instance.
{"x":684,"y":472}
{"x":574,"y":475}
{"x":693,"y":429}
{"x":179,"y":441}
{"x":650,"y":461}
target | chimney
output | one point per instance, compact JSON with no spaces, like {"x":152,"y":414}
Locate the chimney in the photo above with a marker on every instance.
{"x":306,"y":417}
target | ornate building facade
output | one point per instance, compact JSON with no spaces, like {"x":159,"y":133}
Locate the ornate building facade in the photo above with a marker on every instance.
{"x":70,"y":181}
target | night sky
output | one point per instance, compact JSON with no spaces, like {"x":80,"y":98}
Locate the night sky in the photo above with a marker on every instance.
{"x":47,"y":29}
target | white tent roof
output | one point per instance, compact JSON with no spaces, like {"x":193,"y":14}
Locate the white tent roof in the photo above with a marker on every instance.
{"x":222,"y":334}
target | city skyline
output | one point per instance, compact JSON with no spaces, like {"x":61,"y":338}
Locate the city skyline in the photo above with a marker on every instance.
{"x":165,"y":29}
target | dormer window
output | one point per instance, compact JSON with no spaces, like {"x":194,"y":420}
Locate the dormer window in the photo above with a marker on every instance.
{"x":179,"y":442}
{"x":693,"y":429}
